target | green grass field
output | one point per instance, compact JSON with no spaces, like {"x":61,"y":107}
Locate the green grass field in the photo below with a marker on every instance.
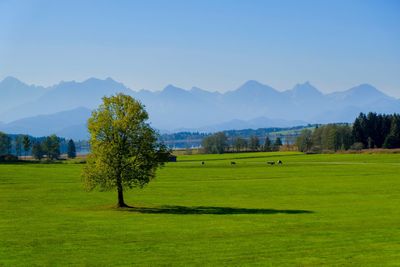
{"x":337,"y":209}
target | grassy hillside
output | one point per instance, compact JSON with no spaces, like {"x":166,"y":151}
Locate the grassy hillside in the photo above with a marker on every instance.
{"x":339,"y":209}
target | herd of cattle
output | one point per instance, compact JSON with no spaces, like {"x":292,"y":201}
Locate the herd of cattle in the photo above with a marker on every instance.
{"x":279,"y":162}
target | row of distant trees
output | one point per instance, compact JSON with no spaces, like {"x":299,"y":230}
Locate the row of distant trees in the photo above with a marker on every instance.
{"x":194,"y":139}
{"x":368,"y":131}
{"x":254,"y":144}
{"x":50,"y":148}
{"x":22,"y":144}
{"x":377,"y":130}
{"x":331,"y":137}
{"x":218,"y":143}
{"x":44,"y":147}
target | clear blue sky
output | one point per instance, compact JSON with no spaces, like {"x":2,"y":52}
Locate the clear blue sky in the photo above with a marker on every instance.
{"x":215,"y":45}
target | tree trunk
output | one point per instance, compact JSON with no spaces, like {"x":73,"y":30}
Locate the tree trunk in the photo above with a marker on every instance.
{"x":121,"y":202}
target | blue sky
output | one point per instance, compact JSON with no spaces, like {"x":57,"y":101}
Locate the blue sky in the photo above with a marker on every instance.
{"x":215,"y":45}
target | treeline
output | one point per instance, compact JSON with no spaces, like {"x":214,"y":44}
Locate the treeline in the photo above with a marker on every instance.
{"x":195,"y":139}
{"x":272,"y":132}
{"x":377,"y":130}
{"x":368,"y":131}
{"x":50,"y":147}
{"x":330,"y":137}
{"x":219,"y":143}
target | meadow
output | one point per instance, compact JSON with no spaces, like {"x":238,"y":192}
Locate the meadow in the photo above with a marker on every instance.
{"x":331,"y":209}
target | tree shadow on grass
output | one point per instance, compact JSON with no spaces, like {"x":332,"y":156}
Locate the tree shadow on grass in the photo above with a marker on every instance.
{"x":210,"y":210}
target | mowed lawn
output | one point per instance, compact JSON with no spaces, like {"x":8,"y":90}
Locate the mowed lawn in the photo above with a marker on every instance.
{"x":338,"y":209}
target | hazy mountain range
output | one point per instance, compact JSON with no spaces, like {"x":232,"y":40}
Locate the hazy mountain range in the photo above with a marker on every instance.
{"x":64,"y":108}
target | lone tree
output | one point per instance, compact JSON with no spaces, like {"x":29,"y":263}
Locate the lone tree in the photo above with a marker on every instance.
{"x":71,"y":152}
{"x":124,"y":148}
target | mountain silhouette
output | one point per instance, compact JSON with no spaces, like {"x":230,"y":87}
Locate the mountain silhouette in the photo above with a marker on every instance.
{"x":252,"y":104}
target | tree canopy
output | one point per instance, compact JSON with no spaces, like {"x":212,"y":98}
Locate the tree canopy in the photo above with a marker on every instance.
{"x":216,"y":143}
{"x":267,"y":144}
{"x":239,"y":143}
{"x":26,"y":143}
{"x":376,"y":130}
{"x":125,"y":152}
{"x":254,"y":143}
{"x":51,"y":147}
{"x":37,"y":151}
{"x":278,"y":143}
{"x":370,"y":130}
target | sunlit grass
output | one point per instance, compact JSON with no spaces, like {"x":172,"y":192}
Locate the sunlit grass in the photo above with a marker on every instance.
{"x":337,"y":209}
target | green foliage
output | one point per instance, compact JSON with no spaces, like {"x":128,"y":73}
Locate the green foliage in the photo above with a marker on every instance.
{"x":71,"y":150}
{"x":358,"y":129}
{"x":5,"y":144}
{"x":8,"y":158}
{"x":304,"y":141}
{"x":254,"y":143}
{"x":357,"y":146}
{"x":239,"y":144}
{"x":277,"y":143}
{"x":26,"y":143}
{"x":18,"y":145}
{"x":37,"y":151}
{"x":376,"y":130}
{"x":251,"y":214}
{"x":267,"y":144}
{"x":331,"y":137}
{"x":392,"y":141}
{"x":124,"y":148}
{"x":215,"y":144}
{"x":393,"y":138}
{"x":51,"y":147}
{"x":182,"y":139}
{"x":368,"y":131}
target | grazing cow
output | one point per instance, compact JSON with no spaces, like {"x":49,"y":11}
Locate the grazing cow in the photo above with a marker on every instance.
{"x":233,"y":163}
{"x":202,"y":163}
{"x":279,"y":162}
{"x":271,"y":162}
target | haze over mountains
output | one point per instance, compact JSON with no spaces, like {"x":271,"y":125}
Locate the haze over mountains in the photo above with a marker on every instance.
{"x":64,"y":108}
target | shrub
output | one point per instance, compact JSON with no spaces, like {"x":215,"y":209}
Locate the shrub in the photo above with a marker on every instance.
{"x":8,"y":158}
{"x":357,"y":146}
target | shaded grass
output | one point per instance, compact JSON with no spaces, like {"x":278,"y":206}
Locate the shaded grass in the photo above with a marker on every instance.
{"x":209,"y":210}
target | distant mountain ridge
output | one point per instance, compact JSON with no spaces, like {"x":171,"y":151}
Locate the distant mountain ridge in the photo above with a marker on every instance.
{"x":70,"y":124}
{"x":251,"y":105}
{"x":13,"y":92}
{"x":64,"y":96}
